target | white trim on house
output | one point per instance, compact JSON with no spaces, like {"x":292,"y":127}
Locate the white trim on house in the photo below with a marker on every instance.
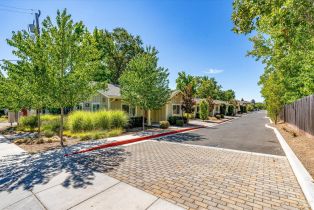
{"x":130,"y":107}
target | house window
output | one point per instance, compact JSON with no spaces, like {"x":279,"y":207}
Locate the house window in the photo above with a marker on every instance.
{"x":79,"y":106}
{"x":176,"y":109}
{"x":87,"y":105}
{"x":129,"y":110}
{"x":96,"y":107}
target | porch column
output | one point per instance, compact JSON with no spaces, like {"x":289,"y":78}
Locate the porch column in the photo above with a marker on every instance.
{"x":166,"y":112}
{"x":108,"y":105}
{"x":148,"y":118}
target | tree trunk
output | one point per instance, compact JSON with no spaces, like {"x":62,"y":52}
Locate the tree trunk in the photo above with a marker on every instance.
{"x":143,"y":118}
{"x":16,"y":116}
{"x":39,"y":122}
{"x":61,"y":126}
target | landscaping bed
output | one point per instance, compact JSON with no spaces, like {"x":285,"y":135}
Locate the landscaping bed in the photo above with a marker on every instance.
{"x":79,"y":126}
{"x":3,"y":119}
{"x":302,"y":146}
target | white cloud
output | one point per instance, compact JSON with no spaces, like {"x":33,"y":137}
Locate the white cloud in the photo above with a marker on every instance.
{"x":213,"y":71}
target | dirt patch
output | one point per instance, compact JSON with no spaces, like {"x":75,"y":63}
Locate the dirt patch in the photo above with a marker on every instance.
{"x":32,"y":144}
{"x":302,"y":145}
{"x":35,"y":148}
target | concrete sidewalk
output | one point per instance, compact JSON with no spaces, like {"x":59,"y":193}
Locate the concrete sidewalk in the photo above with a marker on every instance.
{"x":51,"y":181}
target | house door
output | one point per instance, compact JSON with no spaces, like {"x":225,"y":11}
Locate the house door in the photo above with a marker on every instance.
{"x":24,"y":112}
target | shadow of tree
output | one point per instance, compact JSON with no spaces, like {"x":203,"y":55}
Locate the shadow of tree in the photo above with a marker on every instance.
{"x":181,"y":137}
{"x":26,"y":170}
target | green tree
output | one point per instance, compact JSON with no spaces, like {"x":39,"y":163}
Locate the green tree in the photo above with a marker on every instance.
{"x":72,"y":58}
{"x":203,"y":110}
{"x":117,"y":49}
{"x":144,"y":84}
{"x":187,"y":85}
{"x":272,"y":89}
{"x":30,"y":72}
{"x":227,"y":95}
{"x":209,"y":89}
{"x":14,"y":94}
{"x":283,"y":39}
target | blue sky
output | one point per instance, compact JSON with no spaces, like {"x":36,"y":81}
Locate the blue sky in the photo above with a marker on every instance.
{"x":194,"y":36}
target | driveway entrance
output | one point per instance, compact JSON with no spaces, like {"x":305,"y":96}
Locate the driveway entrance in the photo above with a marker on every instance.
{"x":247,"y":133}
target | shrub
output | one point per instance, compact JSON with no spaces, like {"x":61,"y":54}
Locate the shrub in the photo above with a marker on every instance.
{"x":188,"y":115}
{"x":49,"y":117}
{"x":179,"y":123}
{"x":230,"y":110}
{"x":172,"y":119}
{"x":243,"y":109}
{"x":53,"y":126}
{"x":48,"y":133}
{"x":203,"y":110}
{"x":136,"y":122}
{"x":164,"y":124}
{"x":222,"y":116}
{"x":250,"y":107}
{"x":103,"y":120}
{"x":80,"y":121}
{"x":119,"y":119}
{"x":29,"y":122}
{"x":218,"y":116}
{"x":223,"y":109}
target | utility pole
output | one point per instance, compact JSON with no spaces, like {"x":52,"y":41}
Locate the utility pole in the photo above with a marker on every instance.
{"x":31,"y":27}
{"x":37,"y":14}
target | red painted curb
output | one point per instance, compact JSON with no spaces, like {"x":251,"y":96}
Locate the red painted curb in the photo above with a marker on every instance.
{"x":113,"y":144}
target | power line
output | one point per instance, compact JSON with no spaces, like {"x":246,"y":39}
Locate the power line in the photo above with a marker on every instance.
{"x":12,"y":7}
{"x":21,"y":12}
{"x":7,"y":60}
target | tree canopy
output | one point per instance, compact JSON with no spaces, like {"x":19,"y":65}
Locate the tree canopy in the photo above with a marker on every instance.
{"x":282,"y":33}
{"x":144,"y":84}
{"x":187,"y":85}
{"x":117,"y":49}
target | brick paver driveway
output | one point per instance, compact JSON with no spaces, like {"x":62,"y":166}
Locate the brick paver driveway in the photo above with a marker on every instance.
{"x":199,"y":177}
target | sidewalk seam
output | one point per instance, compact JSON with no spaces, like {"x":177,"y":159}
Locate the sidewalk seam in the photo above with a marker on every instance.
{"x":39,"y":201}
{"x":95,"y":195}
{"x":150,"y":205}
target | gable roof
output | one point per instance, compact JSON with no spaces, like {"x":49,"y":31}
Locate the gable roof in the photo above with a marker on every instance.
{"x":174,"y":93}
{"x":112,"y":91}
{"x":197,"y":100}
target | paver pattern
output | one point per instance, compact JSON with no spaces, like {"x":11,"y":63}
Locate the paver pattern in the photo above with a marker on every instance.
{"x":196,"y":177}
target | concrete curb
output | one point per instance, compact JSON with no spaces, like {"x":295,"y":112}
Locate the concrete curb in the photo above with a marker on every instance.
{"x":128,"y":141}
{"x":304,"y":178}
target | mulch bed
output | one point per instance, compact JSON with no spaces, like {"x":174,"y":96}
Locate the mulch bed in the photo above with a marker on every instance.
{"x":302,"y":146}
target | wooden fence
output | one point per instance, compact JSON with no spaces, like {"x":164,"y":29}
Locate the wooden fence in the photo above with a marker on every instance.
{"x":300,"y":114}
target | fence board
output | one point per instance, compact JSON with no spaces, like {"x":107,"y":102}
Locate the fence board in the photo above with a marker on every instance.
{"x":300,"y":114}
